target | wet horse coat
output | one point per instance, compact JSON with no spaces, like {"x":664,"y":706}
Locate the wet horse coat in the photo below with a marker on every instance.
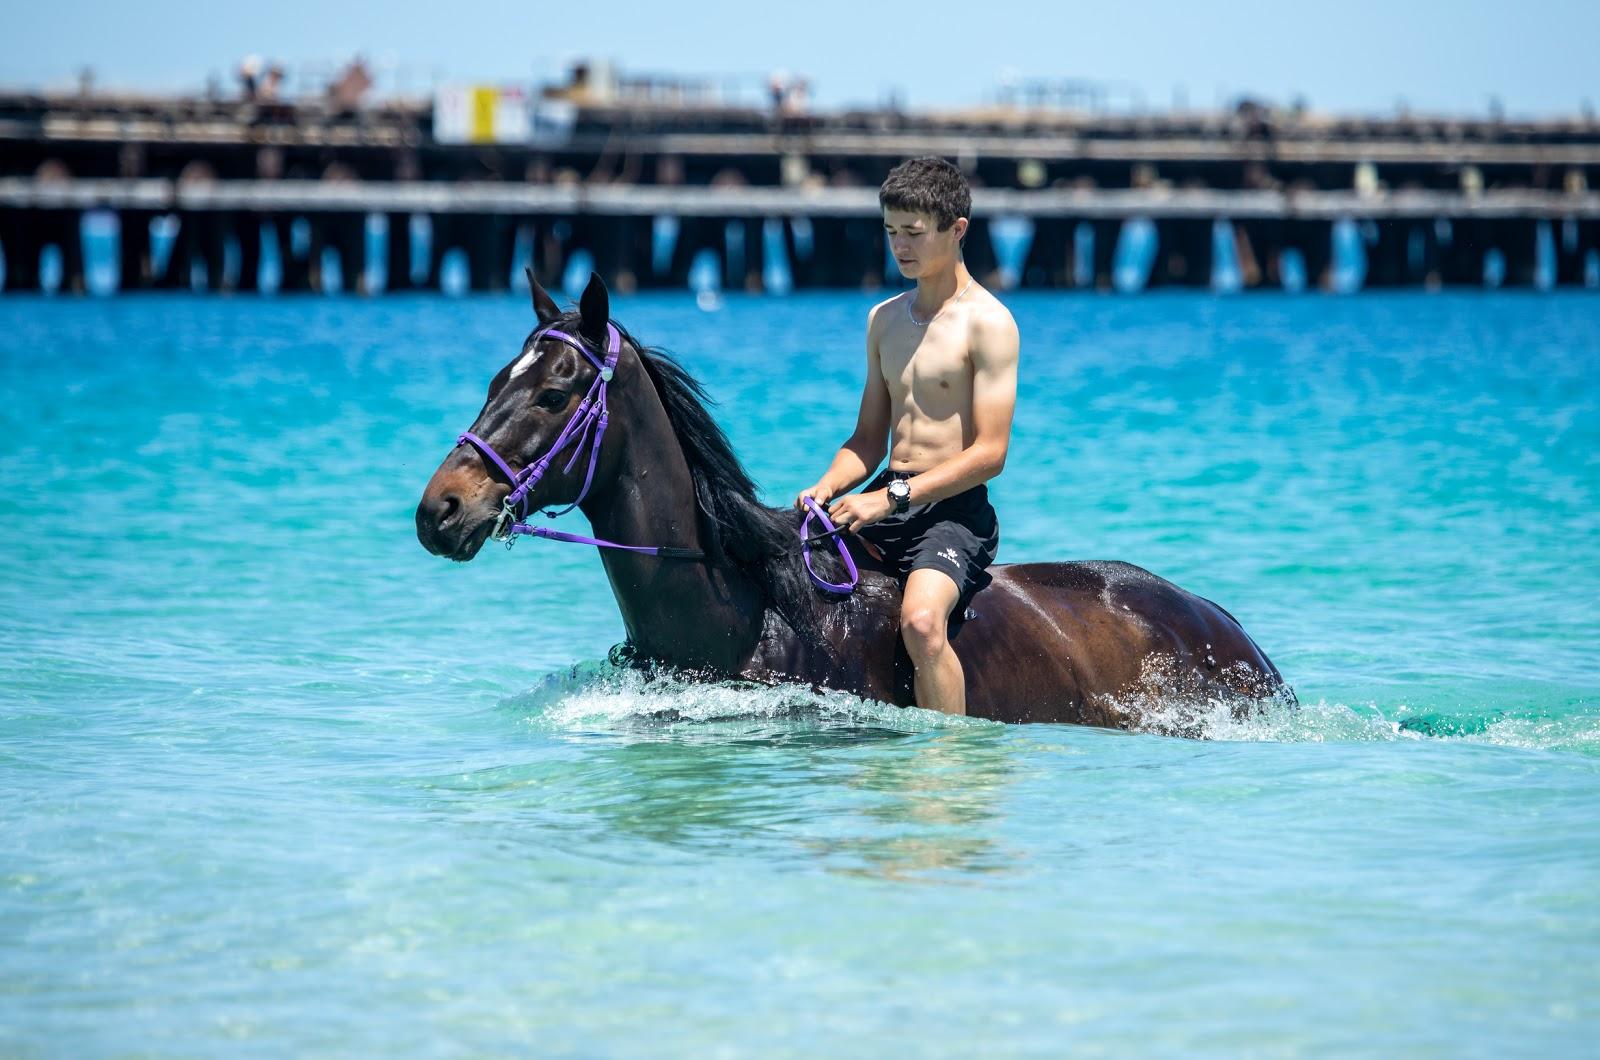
{"x":1054,"y":642}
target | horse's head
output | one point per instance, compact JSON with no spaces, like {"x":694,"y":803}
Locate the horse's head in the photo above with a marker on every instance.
{"x":532,"y":405}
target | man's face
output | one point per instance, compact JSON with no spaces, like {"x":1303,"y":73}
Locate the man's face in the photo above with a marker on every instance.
{"x":917,"y":244}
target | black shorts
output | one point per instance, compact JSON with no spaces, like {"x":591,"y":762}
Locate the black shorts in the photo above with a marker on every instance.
{"x":957,"y":536}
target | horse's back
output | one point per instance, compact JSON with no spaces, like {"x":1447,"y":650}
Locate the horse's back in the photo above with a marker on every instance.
{"x":1069,"y":641}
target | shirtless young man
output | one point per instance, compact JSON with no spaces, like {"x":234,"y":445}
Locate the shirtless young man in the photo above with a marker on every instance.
{"x":941,"y":386}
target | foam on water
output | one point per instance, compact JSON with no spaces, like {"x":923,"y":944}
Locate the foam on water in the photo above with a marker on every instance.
{"x":598,"y":697}
{"x":1276,"y":720}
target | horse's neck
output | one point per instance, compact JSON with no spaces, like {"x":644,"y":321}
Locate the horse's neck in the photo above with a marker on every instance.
{"x":705,"y":615}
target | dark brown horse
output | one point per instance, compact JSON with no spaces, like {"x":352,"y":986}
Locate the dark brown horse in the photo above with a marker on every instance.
{"x":1087,"y":643}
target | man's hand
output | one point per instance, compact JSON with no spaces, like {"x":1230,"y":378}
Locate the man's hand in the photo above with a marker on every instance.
{"x":819,"y":493}
{"x":857,"y":510}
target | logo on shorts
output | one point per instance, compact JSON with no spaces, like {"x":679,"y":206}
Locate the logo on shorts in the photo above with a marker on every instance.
{"x":950,"y":554}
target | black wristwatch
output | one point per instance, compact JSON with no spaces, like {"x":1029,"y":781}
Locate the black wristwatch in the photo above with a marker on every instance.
{"x":900,"y":495}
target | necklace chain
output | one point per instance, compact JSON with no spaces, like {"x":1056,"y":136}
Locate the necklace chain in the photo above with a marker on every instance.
{"x":924,"y":323}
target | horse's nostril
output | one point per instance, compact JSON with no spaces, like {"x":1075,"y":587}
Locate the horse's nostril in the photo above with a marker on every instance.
{"x":449,"y":505}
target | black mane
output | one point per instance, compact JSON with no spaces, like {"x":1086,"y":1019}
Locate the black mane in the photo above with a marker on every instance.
{"x":763,"y":542}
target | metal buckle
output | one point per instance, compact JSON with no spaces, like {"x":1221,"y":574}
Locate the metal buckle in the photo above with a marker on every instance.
{"x":499,"y":533}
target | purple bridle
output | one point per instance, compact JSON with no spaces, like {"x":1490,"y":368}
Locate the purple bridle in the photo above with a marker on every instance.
{"x":592,"y":414}
{"x":587,"y":427}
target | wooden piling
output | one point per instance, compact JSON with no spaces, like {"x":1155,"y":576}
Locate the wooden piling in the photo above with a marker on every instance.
{"x":397,"y":253}
{"x":1183,"y":253}
{"x":133,"y":249}
{"x":1048,"y":263}
{"x":20,"y":236}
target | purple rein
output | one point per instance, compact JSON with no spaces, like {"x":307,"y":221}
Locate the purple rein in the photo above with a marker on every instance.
{"x":814,"y":511}
{"x":587,"y":428}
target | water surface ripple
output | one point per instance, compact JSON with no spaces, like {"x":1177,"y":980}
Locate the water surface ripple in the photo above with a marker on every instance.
{"x":274,"y":778}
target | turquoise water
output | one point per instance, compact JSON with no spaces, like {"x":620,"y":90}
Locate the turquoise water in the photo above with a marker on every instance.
{"x":275,"y":779}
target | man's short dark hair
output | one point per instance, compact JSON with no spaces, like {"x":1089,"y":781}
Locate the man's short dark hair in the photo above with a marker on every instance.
{"x":927,"y":185}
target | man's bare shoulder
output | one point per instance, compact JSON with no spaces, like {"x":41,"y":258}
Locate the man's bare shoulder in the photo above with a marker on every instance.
{"x":991,"y":327}
{"x":887,"y":301}
{"x":876,"y":316}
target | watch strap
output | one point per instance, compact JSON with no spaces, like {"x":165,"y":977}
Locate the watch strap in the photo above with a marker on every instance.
{"x":900,"y":498}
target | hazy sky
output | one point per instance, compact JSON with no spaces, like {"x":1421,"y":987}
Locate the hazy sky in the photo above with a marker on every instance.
{"x":1536,"y":57}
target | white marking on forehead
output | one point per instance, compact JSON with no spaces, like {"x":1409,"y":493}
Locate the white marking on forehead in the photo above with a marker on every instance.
{"x":524,"y":362}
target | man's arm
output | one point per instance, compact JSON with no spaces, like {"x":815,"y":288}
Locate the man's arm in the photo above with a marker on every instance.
{"x":994,"y":347}
{"x":863,"y":451}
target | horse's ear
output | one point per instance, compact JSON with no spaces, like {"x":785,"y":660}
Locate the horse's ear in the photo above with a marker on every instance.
{"x":544,"y":307}
{"x":595,"y":308}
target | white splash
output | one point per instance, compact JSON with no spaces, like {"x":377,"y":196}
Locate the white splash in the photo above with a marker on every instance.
{"x":602,"y":697}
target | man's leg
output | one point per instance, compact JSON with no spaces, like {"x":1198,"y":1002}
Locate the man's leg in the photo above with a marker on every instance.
{"x":925,"y":609}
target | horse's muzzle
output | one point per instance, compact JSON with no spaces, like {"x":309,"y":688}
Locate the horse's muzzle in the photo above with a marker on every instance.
{"x":447,"y":526}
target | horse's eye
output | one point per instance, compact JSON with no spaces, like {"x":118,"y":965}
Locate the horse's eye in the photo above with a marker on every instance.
{"x":552,"y":399}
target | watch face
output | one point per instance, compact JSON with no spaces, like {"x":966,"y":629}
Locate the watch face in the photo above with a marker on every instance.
{"x":899,"y":490}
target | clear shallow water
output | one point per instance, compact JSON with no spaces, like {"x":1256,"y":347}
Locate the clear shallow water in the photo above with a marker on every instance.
{"x":271,"y":776}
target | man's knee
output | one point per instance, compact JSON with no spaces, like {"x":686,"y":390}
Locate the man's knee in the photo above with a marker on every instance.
{"x":925,"y":613}
{"x":923,"y":630}
{"x":924,"y":626}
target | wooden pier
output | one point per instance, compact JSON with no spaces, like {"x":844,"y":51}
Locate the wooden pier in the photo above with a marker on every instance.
{"x":644,"y":193}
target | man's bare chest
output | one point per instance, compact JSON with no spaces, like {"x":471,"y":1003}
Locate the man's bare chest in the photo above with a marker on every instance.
{"x":930,"y":363}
